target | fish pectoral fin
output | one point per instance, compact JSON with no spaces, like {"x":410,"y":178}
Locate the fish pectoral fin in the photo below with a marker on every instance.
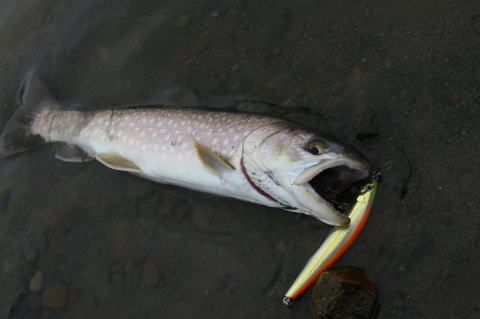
{"x":212,"y":160}
{"x":118,"y":162}
{"x":71,"y":153}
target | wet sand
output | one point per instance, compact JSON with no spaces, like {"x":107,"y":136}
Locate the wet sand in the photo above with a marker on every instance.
{"x":398,"y":80}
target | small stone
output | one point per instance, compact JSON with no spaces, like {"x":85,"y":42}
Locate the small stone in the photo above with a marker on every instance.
{"x":183,"y":21}
{"x":235,"y":67}
{"x":55,"y":297}
{"x":215,"y":14}
{"x":150,"y":274}
{"x":344,"y":292}
{"x":36,"y":282}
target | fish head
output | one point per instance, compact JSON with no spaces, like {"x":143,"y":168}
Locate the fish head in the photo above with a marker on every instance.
{"x":303,"y":170}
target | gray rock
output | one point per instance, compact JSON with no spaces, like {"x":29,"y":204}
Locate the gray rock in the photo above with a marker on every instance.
{"x":344,"y":292}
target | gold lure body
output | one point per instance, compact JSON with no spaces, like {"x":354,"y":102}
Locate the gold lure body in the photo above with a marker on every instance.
{"x":336,"y":243}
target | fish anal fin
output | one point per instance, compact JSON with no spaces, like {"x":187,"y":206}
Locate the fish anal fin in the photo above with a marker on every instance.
{"x":212,"y":160}
{"x":118,"y":162}
{"x":71,"y":153}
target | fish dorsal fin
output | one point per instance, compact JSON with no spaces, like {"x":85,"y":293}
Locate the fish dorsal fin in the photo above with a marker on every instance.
{"x":71,"y":153}
{"x":118,"y":162}
{"x":212,"y":160}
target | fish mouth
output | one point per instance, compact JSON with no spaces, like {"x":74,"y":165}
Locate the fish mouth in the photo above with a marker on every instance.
{"x":329,"y":188}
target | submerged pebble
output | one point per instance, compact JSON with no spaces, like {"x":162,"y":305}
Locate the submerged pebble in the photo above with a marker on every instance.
{"x":55,"y":297}
{"x":183,"y":21}
{"x":36,"y":282}
{"x":344,"y":292}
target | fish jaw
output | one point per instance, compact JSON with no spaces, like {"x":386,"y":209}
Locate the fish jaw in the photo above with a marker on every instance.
{"x":298,"y":181}
{"x":282,"y":154}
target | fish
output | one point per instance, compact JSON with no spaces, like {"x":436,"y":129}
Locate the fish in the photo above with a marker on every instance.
{"x":336,"y":242}
{"x":260,"y":159}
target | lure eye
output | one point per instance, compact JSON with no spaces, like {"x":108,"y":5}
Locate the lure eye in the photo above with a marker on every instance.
{"x":369,"y":187}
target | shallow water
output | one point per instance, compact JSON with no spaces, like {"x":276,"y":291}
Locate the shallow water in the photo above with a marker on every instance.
{"x":397,"y":80}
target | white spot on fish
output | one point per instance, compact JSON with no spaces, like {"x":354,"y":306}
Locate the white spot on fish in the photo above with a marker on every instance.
{"x":152,"y":120}
{"x":170,"y":122}
{"x":144,"y":120}
{"x":225,"y":142}
{"x":236,"y":137}
{"x":214,"y":141}
{"x":154,"y":134}
{"x":136,"y":129}
{"x":142,"y":133}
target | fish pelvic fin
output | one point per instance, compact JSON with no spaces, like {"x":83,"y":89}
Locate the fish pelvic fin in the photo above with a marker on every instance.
{"x":71,"y":153}
{"x":211,"y":160}
{"x":118,"y":162}
{"x":33,"y":100}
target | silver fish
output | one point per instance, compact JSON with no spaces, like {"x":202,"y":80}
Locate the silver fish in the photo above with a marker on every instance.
{"x":259,"y":159}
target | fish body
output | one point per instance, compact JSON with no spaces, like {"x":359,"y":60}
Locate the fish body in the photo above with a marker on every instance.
{"x":165,"y":144}
{"x":336,"y":243}
{"x":260,"y":159}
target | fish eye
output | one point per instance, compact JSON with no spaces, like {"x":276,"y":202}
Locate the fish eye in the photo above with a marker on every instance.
{"x":314,"y":150}
{"x":315,"y":147}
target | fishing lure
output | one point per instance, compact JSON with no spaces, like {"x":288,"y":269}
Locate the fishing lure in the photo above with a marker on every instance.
{"x":336,"y":243}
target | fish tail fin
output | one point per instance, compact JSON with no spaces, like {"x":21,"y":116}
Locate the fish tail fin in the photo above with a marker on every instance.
{"x":21,"y":131}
